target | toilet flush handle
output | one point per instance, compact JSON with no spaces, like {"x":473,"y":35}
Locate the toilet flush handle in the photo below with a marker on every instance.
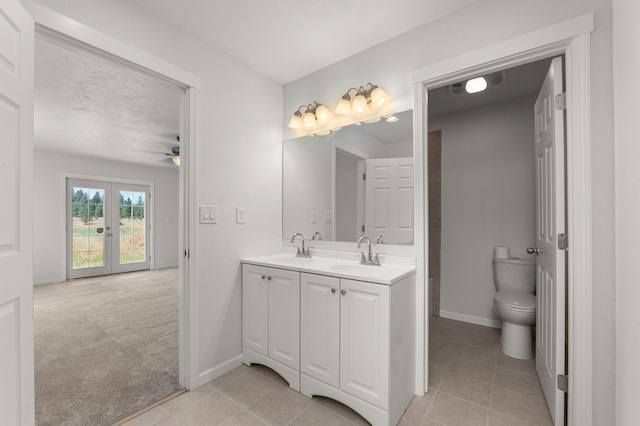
{"x":532,"y":250}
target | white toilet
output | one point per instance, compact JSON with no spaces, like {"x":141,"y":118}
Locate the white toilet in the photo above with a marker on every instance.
{"x":515,"y":303}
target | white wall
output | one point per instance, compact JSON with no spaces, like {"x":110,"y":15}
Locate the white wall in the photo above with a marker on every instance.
{"x":49,"y":169}
{"x":485,"y":23}
{"x":626,"y":68}
{"x":488,"y":199}
{"x":239,"y":162}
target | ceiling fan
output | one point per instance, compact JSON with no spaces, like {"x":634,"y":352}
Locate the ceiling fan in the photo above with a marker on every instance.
{"x":175,"y":153}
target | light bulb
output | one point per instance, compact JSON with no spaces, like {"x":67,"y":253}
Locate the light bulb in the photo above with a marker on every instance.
{"x":175,"y":159}
{"x":343,"y":107}
{"x":296,"y":121}
{"x":378,"y":96}
{"x":476,"y":85}
{"x":323,"y":114}
{"x":359,"y":106}
{"x":309,"y":120}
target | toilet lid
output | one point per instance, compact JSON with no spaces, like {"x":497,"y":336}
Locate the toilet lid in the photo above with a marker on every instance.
{"x":516,"y":300}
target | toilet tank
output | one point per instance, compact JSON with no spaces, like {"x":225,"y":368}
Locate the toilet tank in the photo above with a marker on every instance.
{"x":515,"y":274}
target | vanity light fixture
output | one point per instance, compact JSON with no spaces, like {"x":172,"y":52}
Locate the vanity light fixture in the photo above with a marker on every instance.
{"x":364,"y":97}
{"x":314,"y":115}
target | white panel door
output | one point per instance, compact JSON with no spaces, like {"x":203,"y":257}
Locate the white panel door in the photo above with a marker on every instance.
{"x":389,"y":199}
{"x":255,"y":309}
{"x":130,"y":246}
{"x":364,"y":341}
{"x":320,"y":328}
{"x":284,"y":317}
{"x":16,"y":215}
{"x":550,"y":218}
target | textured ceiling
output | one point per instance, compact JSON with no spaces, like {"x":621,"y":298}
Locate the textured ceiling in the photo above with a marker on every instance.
{"x":92,"y":106}
{"x":288,"y":39}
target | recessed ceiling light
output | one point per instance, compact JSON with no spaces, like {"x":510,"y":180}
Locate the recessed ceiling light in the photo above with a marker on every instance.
{"x":392,"y":119}
{"x":476,"y":85}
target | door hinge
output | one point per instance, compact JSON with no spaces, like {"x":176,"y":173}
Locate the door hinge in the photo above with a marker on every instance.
{"x":362,"y":228}
{"x":364,"y":176}
{"x":561,"y":101}
{"x":563,"y":244}
{"x":563,"y":382}
{"x":186,"y":253}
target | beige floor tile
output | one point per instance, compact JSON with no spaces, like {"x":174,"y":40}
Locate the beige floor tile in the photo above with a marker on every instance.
{"x":248,"y":388}
{"x":453,"y":411}
{"x":150,"y":418}
{"x":338,"y":408}
{"x":186,"y":399}
{"x":267,"y":372}
{"x":523,"y":383}
{"x":520,"y":406}
{"x":466,"y":388}
{"x":421,"y":404}
{"x":280,"y":405}
{"x":411,"y":418}
{"x":472,"y":369}
{"x":429,"y":422}
{"x":234,"y":374}
{"x":212,"y":409}
{"x":522,"y":366}
{"x":169,"y":421}
{"x":435,"y":376}
{"x":497,"y":418}
{"x":244,"y":418}
{"x":317,"y":415}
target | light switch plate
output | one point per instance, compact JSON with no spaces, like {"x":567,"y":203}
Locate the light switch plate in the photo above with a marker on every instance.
{"x":207,"y":214}
{"x":240,"y":215}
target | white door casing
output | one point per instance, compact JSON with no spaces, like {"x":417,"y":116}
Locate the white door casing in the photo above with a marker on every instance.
{"x":17,"y":399}
{"x":389,"y":199}
{"x":550,"y":221}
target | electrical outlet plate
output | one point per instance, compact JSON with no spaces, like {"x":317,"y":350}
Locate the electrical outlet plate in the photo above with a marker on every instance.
{"x":240,"y":215}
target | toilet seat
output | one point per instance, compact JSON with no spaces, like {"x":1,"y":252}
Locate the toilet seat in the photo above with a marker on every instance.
{"x":521,"y":302}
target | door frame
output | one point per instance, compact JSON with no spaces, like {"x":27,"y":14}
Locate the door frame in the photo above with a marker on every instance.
{"x":65,"y":176}
{"x":572,"y":39}
{"x":54,"y":25}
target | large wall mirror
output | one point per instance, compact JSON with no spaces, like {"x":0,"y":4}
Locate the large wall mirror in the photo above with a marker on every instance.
{"x":353,"y":182}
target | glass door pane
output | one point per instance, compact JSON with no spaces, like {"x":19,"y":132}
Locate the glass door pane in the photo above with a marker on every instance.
{"x":132,"y":227}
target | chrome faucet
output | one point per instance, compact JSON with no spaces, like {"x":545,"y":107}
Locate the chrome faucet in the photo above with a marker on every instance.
{"x":370,"y":258}
{"x":317,"y":234}
{"x":302,"y":251}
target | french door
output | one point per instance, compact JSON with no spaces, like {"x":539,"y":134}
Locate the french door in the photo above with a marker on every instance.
{"x":107,"y":228}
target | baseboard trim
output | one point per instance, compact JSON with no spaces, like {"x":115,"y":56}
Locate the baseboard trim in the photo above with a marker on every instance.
{"x":49,"y":281}
{"x":220,"y":369}
{"x":487,"y":322}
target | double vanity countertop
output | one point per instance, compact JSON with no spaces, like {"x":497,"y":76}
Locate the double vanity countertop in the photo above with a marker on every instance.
{"x":339,"y":264}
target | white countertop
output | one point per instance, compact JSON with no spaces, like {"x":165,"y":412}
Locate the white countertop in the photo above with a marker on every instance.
{"x":333,"y":265}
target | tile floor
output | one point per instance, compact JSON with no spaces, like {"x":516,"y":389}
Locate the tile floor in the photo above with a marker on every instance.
{"x":471,"y":383}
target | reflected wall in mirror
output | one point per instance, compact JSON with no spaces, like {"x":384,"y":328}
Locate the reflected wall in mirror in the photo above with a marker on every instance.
{"x":325,"y":189}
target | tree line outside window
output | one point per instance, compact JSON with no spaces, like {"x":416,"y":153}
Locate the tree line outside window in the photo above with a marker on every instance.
{"x":88,"y":208}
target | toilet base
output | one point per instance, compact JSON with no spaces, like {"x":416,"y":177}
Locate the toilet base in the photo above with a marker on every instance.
{"x":515,"y":341}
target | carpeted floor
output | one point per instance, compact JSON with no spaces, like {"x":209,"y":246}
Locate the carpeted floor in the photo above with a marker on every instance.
{"x":105,"y":347}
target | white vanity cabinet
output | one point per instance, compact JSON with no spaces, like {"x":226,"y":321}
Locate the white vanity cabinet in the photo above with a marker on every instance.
{"x":271,"y":320}
{"x":331,"y":335}
{"x":347,"y":328}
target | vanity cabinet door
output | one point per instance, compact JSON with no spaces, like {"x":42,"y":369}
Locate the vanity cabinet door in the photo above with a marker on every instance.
{"x":320,"y":328}
{"x":255,"y":308}
{"x":284,"y":317}
{"x":364,"y":341}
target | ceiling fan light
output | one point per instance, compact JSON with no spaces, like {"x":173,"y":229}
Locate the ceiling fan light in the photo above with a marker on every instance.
{"x":344,"y":106}
{"x":296,"y":121}
{"x":175,"y":159}
{"x":359,"y":106}
{"x":323,"y":114}
{"x":378,"y":96}
{"x":309,"y":120}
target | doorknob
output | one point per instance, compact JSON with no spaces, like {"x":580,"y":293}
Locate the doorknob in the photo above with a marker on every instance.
{"x":532,"y":250}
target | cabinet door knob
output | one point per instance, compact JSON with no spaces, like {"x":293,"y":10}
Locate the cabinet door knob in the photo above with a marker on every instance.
{"x":264,"y":276}
{"x":333,"y":290}
{"x":343,"y":291}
